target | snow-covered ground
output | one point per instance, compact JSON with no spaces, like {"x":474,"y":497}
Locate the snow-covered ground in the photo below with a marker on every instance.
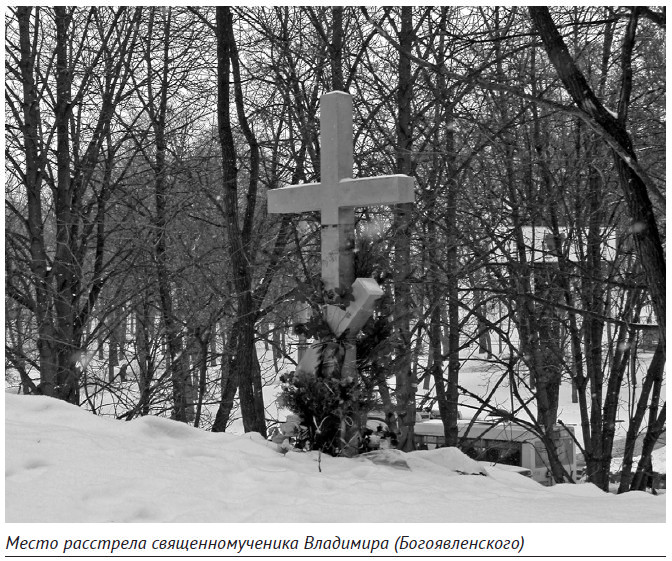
{"x":63,"y":464}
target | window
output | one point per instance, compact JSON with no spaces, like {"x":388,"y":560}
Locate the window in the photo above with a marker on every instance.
{"x":499,"y":451}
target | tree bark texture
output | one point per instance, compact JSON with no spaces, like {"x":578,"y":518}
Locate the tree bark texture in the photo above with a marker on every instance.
{"x":46,"y":341}
{"x":243,"y":365}
{"x":405,"y":383}
{"x":64,"y":266}
{"x":336,"y":48}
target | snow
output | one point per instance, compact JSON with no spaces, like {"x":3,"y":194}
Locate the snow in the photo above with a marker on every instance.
{"x":611,"y":112}
{"x":63,"y":464}
{"x":658,"y":461}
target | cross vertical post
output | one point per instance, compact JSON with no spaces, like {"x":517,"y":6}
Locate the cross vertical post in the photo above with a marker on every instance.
{"x":336,"y":161}
{"x":338,"y":238}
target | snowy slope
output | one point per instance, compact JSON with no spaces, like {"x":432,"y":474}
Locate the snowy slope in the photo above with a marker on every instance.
{"x":63,"y":464}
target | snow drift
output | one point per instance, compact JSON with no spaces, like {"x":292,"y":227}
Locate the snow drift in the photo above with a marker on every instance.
{"x":63,"y":464}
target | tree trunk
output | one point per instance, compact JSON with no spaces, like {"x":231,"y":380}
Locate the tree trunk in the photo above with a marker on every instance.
{"x":213,"y":345}
{"x":654,"y":374}
{"x":452,"y":266}
{"x":243,"y":363}
{"x":229,"y":384}
{"x":64,"y":267}
{"x":203,"y":340}
{"x":144,"y":329}
{"x":443,"y":166}
{"x":405,"y":384}
{"x":336,"y":49}
{"x":33,"y":185}
{"x":176,"y":359}
{"x":645,"y":467}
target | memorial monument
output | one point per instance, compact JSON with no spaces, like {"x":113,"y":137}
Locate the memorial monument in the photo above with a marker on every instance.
{"x":336,"y":196}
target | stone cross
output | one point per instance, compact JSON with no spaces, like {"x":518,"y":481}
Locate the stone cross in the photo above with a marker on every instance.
{"x":338,"y":194}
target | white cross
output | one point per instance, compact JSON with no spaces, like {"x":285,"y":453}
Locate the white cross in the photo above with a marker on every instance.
{"x":337,"y":194}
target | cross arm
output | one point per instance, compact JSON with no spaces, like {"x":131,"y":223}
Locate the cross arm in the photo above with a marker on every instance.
{"x":381,"y":190}
{"x":295,"y":199}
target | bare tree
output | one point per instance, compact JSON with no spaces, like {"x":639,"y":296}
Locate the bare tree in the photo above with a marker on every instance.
{"x":632,"y":179}
{"x":52,"y":113}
